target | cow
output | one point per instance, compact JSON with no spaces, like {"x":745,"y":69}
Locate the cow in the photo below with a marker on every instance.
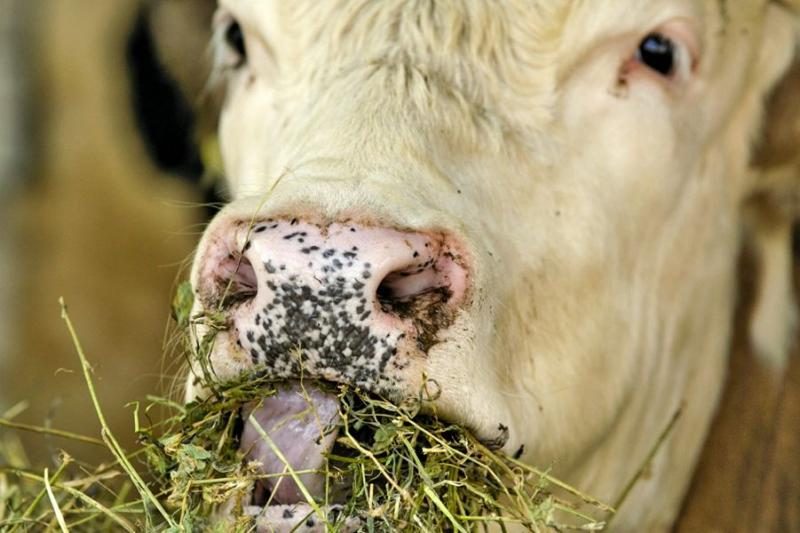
{"x":536,"y":205}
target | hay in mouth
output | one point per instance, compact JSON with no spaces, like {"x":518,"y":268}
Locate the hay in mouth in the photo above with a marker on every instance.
{"x":389,"y":468}
{"x":386,"y":467}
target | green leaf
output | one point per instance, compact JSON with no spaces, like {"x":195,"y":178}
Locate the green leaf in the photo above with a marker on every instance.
{"x":196,"y":452}
{"x":384,"y":437}
{"x":182,"y":304}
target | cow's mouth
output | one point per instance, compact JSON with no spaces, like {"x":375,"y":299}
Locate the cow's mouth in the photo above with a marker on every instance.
{"x":288,"y":436}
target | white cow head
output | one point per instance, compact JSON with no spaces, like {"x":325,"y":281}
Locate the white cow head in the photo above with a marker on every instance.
{"x":542,"y":204}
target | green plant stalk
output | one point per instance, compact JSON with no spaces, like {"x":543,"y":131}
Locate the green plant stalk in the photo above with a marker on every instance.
{"x":106,"y":434}
{"x":86,"y":499}
{"x":648,"y":459}
{"x":28,"y":510}
{"x":49,"y":431}
{"x":119,"y":501}
{"x":438,"y":503}
{"x":429,"y":492}
{"x":54,"y":503}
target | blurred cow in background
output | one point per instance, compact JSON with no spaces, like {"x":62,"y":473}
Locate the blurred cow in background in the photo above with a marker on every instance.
{"x":94,"y":219}
{"x":14,"y":157}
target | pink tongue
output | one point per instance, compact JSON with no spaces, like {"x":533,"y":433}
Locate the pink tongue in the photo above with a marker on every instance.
{"x":303,"y":424}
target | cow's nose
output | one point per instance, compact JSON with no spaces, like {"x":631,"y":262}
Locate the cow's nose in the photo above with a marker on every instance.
{"x":344,"y":301}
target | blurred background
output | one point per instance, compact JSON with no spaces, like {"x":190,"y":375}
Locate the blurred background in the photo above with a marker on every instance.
{"x":106,"y":181}
{"x":101,"y":202}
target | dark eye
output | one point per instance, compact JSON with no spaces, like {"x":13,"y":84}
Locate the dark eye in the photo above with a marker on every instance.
{"x":235,"y":39}
{"x":658,"y":53}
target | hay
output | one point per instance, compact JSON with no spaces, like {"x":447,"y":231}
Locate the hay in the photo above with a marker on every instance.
{"x":405,"y":470}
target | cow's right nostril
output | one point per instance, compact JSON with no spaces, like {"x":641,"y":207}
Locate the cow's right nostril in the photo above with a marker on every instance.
{"x":235,"y":278}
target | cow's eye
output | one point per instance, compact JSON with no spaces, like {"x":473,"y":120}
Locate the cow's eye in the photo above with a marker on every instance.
{"x":658,"y":53}
{"x":234,"y":37}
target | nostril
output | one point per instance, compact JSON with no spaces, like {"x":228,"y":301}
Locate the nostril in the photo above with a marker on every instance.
{"x":236,"y":278}
{"x":407,"y":284}
{"x":420,"y":296}
{"x":419,"y":292}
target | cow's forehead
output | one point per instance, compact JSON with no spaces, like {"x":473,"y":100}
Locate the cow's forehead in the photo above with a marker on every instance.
{"x":488,"y":66}
{"x":524,"y":44}
{"x":542,"y":19}
{"x":505,"y":36}
{"x":473,"y":28}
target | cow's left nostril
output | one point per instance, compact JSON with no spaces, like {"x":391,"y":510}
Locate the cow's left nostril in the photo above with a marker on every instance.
{"x":409,"y":282}
{"x":420,"y":293}
{"x":399,"y":291}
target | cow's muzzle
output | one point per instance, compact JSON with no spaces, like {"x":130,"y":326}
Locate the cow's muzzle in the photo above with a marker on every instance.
{"x":341,"y":302}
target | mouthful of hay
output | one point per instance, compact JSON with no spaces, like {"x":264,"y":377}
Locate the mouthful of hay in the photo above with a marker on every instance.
{"x":285,"y":456}
{"x":256,"y":454}
{"x":303,"y":456}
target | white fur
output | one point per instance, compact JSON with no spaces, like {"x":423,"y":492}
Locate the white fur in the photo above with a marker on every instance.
{"x":602,"y":209}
